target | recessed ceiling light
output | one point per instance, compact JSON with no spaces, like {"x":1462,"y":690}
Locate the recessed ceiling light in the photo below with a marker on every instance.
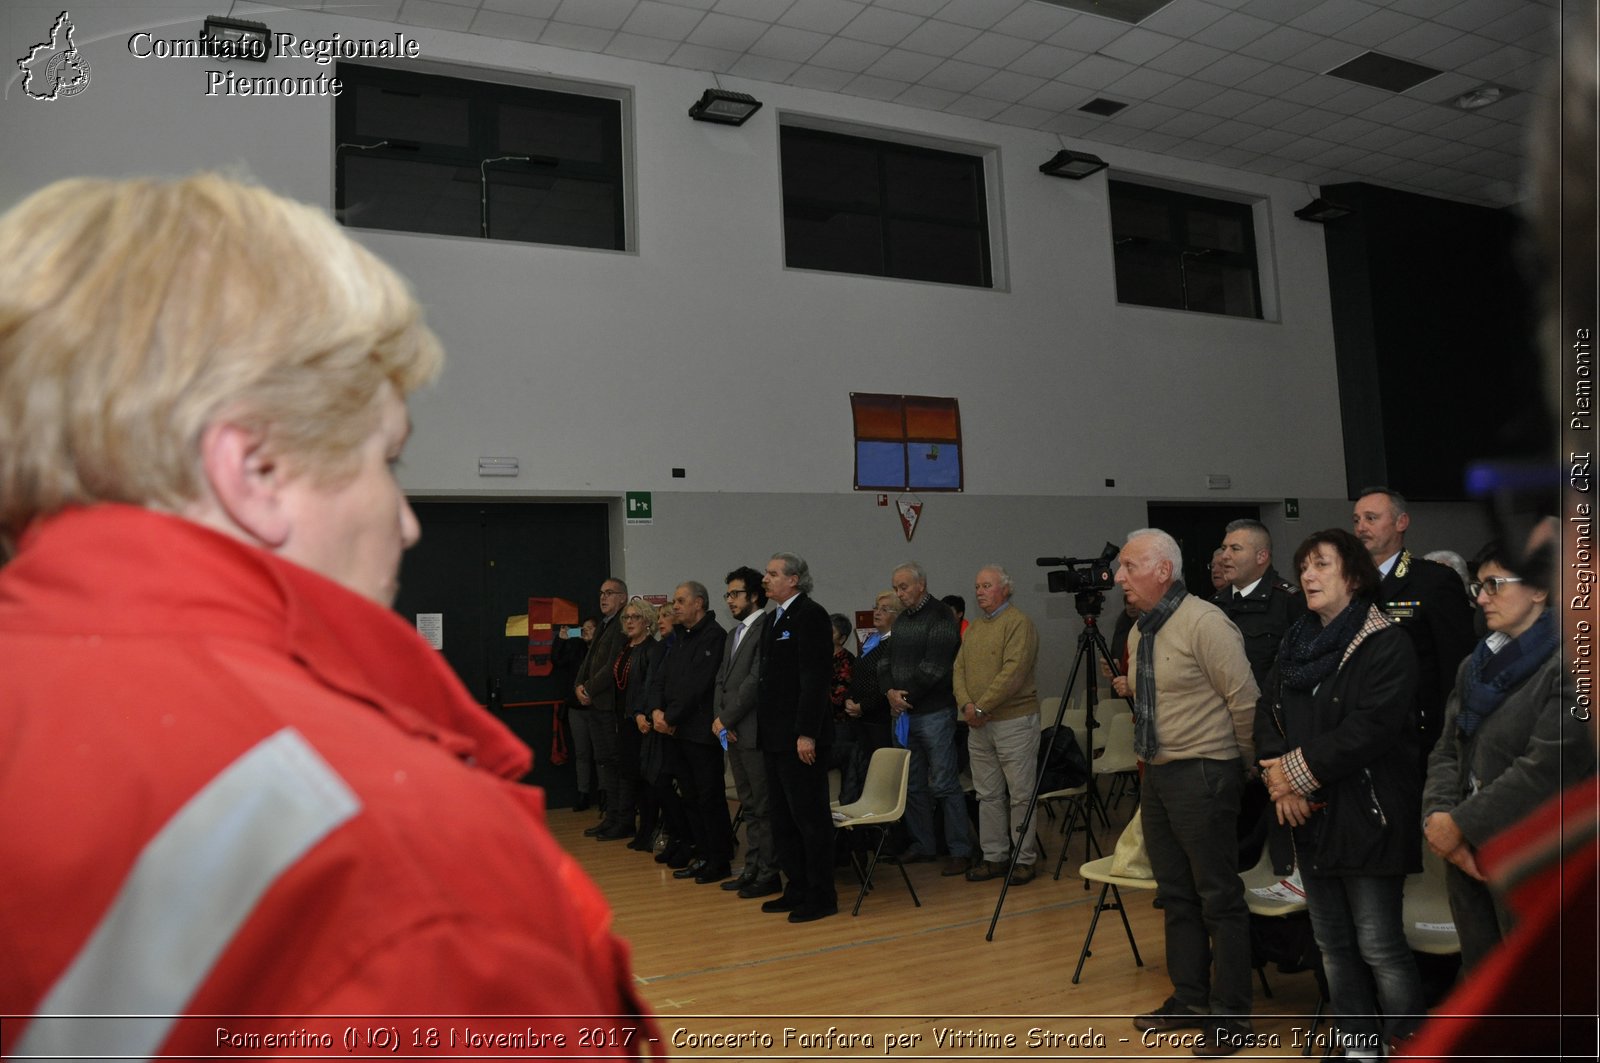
{"x":1103,"y":107}
{"x":1384,"y":72}
{"x":1480,"y":97}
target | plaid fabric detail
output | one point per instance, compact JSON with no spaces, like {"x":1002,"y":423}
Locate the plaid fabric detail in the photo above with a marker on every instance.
{"x":1377,"y":620}
{"x":1299,"y":774}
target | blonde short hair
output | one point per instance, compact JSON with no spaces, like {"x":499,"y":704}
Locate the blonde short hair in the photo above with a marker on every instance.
{"x":135,"y":313}
{"x":647,"y":612}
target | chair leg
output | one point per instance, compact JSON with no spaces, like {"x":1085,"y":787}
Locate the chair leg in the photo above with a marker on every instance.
{"x":1094,"y":920}
{"x":1261,"y":972}
{"x":872,"y":864}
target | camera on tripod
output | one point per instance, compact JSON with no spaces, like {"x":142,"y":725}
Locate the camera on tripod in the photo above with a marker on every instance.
{"x":1079,"y":574}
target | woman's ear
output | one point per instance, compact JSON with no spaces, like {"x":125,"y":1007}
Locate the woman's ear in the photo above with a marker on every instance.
{"x":244,"y":481}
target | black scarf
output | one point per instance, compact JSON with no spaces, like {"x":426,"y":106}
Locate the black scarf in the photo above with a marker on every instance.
{"x":1313,"y":651}
{"x":1491,"y":676}
{"x":1144,"y":702}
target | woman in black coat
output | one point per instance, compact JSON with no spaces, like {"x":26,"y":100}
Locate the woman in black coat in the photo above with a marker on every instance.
{"x":1336,"y":728}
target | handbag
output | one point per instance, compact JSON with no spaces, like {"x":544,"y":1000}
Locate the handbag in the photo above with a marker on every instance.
{"x":1129,"y":859}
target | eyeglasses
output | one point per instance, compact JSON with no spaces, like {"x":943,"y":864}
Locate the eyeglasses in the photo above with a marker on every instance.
{"x":632,"y":616}
{"x":735,"y":594}
{"x":1491,"y":586}
{"x":611,"y":592}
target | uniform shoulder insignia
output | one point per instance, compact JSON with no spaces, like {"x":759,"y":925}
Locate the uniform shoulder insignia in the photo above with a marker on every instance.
{"x":1287,"y":587}
{"x":1402,"y":566}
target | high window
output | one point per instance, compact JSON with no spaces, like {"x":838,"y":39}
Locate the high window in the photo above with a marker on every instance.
{"x":1184,"y":251}
{"x":853,"y":204}
{"x":426,"y":153}
{"x":906,"y":442}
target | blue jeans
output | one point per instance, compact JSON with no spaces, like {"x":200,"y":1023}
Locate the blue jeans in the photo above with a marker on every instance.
{"x":1359,"y":928}
{"x":933,"y":778}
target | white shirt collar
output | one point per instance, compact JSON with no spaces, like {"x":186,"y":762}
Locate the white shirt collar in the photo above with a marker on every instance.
{"x":785,"y":605}
{"x":1388,"y":566}
{"x":1248,"y":591}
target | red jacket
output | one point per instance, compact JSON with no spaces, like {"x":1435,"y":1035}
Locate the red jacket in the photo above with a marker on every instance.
{"x":230,"y":787}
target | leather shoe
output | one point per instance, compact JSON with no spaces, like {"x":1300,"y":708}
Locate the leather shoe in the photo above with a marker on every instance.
{"x":614,"y":832}
{"x":1171,"y":1015}
{"x":709,"y":874}
{"x":582,"y":803}
{"x":956,"y":865}
{"x":640,"y":844}
{"x":1223,"y":1037}
{"x":690,"y":870}
{"x":809,"y":913}
{"x":747,"y":876}
{"x":983,"y":871}
{"x":784,"y":903}
{"x":1022,"y":875}
{"x":597,"y":829}
{"x":761,"y":887}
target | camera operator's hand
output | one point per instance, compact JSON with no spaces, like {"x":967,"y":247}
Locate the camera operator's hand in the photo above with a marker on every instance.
{"x":1121,"y":685}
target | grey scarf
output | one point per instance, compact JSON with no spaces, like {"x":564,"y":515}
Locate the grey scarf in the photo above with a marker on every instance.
{"x":1144,"y":702}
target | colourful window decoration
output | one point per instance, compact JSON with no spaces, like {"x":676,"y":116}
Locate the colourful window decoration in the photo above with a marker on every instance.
{"x":906,"y":442}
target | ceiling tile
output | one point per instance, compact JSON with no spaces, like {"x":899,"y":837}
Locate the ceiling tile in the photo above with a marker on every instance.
{"x":1187,"y":124}
{"x":1232,"y":69}
{"x":1355,"y":99}
{"x":647,"y":49}
{"x":1308,"y":122}
{"x":1034,"y":22}
{"x":1377,"y":28}
{"x":1096,"y":72}
{"x":1265,"y":141}
{"x":1228,"y":133}
{"x":1184,"y":18}
{"x":1470,"y":14}
{"x":1059,"y":96}
{"x":1324,"y":56}
{"x":1275,"y":80}
{"x":527,"y":8}
{"x":725,"y":31}
{"x":1280,"y":43}
{"x":1233,"y":31}
{"x":787,"y":42}
{"x":1184,"y":59}
{"x":1382,"y":138}
{"x":1147,"y":115}
{"x":667,"y":21}
{"x":762,"y":10}
{"x":902,"y":65}
{"x":436,"y":15}
{"x":1085,"y":126}
{"x":1045,"y":60}
{"x":1270,"y":113}
{"x":939,"y":38}
{"x":1348,"y":128}
{"x":880,"y":27}
{"x":957,"y":76}
{"x":1395,"y":108}
{"x":1278,"y":10}
{"x":760,"y":68}
{"x":1139,"y":46}
{"x":1333,"y":16}
{"x":875,"y":88}
{"x":927,"y":96}
{"x":1007,"y":86}
{"x":1150,"y":140}
{"x":501,"y":25}
{"x":1108,"y":133}
{"x":1186,"y":94}
{"x":977,"y":13}
{"x":820,"y":77}
{"x":583,"y":38}
{"x":1142,"y":84}
{"x":994,"y":49}
{"x":975,"y":107}
{"x":700,"y":57}
{"x":1420,"y":40}
{"x":913,"y":7}
{"x":1523,"y":22}
{"x":601,"y":14}
{"x":1465,"y":48}
{"x":841,"y":54}
{"x":1316,"y":90}
{"x":820,"y":16}
{"x":1229,"y":103}
{"x":1423,"y":8}
{"x":1022,"y":115}
{"x":1495,"y":63}
{"x":1088,"y":34}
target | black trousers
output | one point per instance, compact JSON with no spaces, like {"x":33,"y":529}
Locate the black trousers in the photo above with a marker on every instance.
{"x":705,"y":799}
{"x":802,"y":827}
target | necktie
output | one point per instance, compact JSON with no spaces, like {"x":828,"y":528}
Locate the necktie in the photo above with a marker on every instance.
{"x":738,"y":633}
{"x":778,"y":615}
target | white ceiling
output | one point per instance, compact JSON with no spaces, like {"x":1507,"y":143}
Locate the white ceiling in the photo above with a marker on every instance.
{"x":1239,"y":83}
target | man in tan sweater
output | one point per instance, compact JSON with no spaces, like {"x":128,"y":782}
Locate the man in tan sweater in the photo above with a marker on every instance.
{"x":997,"y":696}
{"x":1194,"y":715}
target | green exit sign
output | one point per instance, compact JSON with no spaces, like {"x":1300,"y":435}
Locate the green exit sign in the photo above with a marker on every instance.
{"x":637,"y":505}
{"x":1291,"y":509}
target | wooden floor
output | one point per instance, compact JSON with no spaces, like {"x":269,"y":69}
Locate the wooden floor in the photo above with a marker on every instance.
{"x":723,"y":977}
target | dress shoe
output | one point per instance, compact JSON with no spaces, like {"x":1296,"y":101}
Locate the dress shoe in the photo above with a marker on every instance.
{"x":709,"y":873}
{"x":956,"y":865}
{"x":597,"y":829}
{"x":810,"y":913}
{"x":582,"y":803}
{"x":675,"y":855}
{"x":690,"y":870}
{"x":615,"y":832}
{"x":984,"y":870}
{"x":1171,"y":1015}
{"x":785,"y":903}
{"x":1223,"y":1037}
{"x":761,"y":887}
{"x":1022,"y":875}
{"x":641,"y":843}
{"x":747,"y":876}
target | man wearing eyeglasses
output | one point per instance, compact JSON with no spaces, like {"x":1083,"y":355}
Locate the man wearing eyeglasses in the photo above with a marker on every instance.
{"x":594,"y":723}
{"x":1424,"y":598}
{"x":734,"y":702}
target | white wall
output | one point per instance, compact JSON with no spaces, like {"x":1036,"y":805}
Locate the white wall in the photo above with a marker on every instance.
{"x":601,"y":371}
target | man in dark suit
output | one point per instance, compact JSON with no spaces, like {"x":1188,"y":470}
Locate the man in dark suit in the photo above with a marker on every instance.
{"x":594,"y":720}
{"x":680,"y":698}
{"x":796,"y":725}
{"x":734,"y":702}
{"x":1423,"y":597}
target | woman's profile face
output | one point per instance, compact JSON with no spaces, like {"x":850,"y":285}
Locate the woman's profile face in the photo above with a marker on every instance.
{"x":354,"y":532}
{"x":1513,"y":607}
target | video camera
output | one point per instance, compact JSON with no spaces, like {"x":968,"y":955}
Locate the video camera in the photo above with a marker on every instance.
{"x":1080,"y":574}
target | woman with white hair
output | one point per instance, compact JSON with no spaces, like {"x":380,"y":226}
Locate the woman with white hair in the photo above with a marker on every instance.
{"x":274,"y":799}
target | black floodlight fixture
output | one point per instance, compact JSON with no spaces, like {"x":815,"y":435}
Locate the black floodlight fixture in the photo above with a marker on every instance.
{"x":1073,"y":164}
{"x":236,"y":38}
{"x":724,"y":107}
{"x":1323,"y":210}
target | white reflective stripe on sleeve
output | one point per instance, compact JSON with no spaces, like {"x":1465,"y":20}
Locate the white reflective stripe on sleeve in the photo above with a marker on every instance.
{"x":192,"y":888}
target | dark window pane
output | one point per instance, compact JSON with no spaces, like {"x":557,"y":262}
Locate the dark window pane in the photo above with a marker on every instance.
{"x":552,"y":210}
{"x":1139,"y":219}
{"x":1148,"y":277}
{"x":553,"y":133}
{"x":417,"y":197}
{"x":827,"y":170}
{"x":415,"y":117}
{"x":933,"y":184}
{"x":930,"y":251}
{"x":1185,"y":251}
{"x":846,"y":243}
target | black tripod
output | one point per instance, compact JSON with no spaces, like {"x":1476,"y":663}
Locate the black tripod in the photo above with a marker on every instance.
{"x":1089,"y":605}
